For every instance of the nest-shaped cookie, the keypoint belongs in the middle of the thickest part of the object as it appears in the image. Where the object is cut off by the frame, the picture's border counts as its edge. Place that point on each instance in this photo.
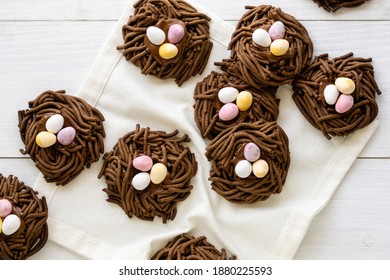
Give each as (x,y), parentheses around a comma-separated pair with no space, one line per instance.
(193,55)
(256,65)
(187,247)
(226,150)
(309,94)
(58,163)
(157,199)
(32,212)
(207,104)
(334,5)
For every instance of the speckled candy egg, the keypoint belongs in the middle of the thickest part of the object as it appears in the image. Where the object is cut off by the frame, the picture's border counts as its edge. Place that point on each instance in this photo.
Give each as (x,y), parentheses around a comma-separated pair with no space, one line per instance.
(45,139)
(261,37)
(141,181)
(54,123)
(344,103)
(244,100)
(260,168)
(158,173)
(227,94)
(277,30)
(11,224)
(155,35)
(345,85)
(331,93)
(228,112)
(168,51)
(175,33)
(251,152)
(243,168)
(279,47)
(143,163)
(5,207)
(66,135)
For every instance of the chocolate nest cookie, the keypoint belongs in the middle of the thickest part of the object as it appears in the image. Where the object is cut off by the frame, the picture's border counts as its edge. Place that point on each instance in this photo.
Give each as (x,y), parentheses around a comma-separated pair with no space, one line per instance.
(249,162)
(337,96)
(62,134)
(223,101)
(148,173)
(167,39)
(334,5)
(268,47)
(187,247)
(23,215)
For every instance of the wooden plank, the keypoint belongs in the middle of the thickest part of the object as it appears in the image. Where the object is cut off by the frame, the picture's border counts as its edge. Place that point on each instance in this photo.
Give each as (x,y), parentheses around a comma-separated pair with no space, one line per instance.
(111,10)
(355,224)
(36,56)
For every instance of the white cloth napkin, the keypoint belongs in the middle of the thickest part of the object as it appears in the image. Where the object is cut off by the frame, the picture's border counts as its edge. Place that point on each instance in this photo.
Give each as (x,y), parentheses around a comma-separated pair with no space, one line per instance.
(83,222)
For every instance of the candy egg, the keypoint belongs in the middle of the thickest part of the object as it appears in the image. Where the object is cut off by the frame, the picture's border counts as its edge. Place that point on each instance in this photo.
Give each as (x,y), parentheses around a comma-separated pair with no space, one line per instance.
(331,93)
(141,181)
(228,112)
(279,47)
(66,135)
(158,173)
(155,35)
(251,152)
(11,224)
(143,163)
(45,139)
(1,224)
(260,168)
(168,51)
(345,85)
(227,94)
(175,33)
(5,207)
(277,30)
(261,38)
(243,168)
(344,103)
(54,123)
(244,100)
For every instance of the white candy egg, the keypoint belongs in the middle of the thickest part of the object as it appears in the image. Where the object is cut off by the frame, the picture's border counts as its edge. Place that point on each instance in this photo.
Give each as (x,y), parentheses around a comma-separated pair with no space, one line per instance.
(55,123)
(155,35)
(331,93)
(243,168)
(227,94)
(261,38)
(11,224)
(141,181)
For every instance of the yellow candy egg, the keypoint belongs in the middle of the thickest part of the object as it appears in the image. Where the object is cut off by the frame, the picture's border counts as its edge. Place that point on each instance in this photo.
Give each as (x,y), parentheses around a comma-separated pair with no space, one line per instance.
(244,100)
(345,85)
(158,173)
(260,168)
(45,139)
(279,47)
(168,51)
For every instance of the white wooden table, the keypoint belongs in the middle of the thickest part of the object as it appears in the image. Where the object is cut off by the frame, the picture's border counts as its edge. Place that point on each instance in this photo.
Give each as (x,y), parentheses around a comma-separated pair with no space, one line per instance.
(51,44)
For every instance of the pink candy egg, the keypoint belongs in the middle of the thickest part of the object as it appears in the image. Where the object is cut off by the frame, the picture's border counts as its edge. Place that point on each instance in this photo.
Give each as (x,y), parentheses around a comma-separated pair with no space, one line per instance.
(344,103)
(228,112)
(5,207)
(251,152)
(143,163)
(277,30)
(66,135)
(175,33)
